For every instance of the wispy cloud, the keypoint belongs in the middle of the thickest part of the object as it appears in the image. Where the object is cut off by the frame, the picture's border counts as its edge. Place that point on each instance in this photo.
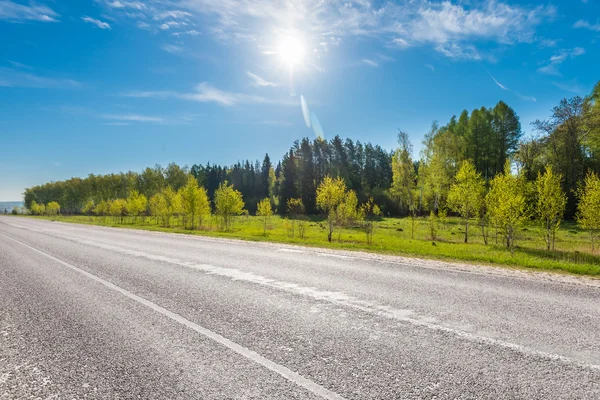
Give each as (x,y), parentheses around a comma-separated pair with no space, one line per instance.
(205,93)
(171,48)
(370,63)
(133,118)
(97,22)
(550,67)
(16,78)
(431,67)
(19,65)
(453,29)
(15,12)
(519,95)
(569,87)
(257,81)
(457,51)
(582,24)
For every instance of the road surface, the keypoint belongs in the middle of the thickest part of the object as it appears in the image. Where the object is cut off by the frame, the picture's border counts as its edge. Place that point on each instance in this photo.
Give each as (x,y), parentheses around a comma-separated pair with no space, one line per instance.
(92,312)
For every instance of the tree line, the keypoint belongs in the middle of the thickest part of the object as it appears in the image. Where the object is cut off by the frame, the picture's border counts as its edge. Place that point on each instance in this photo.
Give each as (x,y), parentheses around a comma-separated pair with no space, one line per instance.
(477,165)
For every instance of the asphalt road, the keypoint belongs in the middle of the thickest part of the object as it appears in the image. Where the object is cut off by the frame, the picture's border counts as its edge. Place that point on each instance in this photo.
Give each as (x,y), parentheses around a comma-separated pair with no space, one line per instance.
(91,312)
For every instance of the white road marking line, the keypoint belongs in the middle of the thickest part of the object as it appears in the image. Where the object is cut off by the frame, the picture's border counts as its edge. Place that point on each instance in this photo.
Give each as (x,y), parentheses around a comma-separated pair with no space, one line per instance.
(339,298)
(335,256)
(290,251)
(288,374)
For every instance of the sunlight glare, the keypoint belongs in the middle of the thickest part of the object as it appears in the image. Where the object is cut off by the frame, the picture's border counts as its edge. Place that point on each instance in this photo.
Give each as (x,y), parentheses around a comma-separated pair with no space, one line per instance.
(290,50)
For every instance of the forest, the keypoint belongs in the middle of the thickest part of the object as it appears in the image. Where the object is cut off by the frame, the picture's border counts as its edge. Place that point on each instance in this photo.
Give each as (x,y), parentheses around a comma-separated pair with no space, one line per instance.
(478,166)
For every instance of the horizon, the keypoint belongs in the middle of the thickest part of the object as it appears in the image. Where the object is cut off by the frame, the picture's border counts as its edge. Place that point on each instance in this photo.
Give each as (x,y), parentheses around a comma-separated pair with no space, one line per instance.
(110,86)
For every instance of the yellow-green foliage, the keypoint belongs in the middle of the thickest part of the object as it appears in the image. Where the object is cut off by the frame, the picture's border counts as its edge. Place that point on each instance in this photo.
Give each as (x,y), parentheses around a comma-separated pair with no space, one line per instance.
(588,213)
(136,204)
(228,202)
(466,194)
(53,208)
(194,201)
(507,204)
(330,195)
(550,205)
(264,211)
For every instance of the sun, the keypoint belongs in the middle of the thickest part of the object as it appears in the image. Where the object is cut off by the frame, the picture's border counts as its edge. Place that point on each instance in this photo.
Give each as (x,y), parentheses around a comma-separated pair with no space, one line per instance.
(290,50)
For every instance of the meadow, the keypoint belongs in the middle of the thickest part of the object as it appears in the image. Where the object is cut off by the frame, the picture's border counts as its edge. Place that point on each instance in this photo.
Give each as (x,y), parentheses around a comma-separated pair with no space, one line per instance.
(393,236)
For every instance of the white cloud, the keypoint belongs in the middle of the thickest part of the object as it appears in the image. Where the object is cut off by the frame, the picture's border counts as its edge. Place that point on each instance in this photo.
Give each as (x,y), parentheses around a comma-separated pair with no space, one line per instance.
(257,81)
(171,48)
(458,51)
(519,95)
(370,63)
(205,93)
(19,13)
(191,32)
(582,24)
(569,87)
(98,23)
(455,30)
(550,67)
(431,67)
(14,78)
(133,118)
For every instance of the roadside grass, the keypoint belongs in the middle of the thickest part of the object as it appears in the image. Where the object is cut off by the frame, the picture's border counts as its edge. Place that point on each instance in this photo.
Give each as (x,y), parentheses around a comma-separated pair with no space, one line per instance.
(393,236)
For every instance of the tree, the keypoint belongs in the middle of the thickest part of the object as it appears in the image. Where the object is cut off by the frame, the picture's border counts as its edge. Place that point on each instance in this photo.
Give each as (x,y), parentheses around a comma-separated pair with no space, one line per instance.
(330,195)
(507,132)
(53,208)
(507,204)
(466,194)
(101,209)
(159,208)
(194,201)
(403,175)
(348,213)
(264,211)
(588,210)
(173,200)
(228,202)
(41,209)
(118,209)
(550,205)
(136,204)
(565,145)
(368,212)
(88,207)
(295,208)
(34,208)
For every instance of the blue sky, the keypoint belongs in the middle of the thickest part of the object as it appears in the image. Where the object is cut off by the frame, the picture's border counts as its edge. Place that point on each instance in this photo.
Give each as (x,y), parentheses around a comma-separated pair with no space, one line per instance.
(104,86)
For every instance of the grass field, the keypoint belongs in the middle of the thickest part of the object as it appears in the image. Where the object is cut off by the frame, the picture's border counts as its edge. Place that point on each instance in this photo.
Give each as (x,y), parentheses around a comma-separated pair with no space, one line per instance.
(393,236)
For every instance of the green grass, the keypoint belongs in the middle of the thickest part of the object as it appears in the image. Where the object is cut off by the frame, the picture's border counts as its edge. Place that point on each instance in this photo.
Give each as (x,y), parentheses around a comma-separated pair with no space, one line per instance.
(393,236)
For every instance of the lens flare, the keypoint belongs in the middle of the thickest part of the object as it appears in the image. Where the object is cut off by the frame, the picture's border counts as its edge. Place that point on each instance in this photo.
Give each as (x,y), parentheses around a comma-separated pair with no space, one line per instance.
(305,111)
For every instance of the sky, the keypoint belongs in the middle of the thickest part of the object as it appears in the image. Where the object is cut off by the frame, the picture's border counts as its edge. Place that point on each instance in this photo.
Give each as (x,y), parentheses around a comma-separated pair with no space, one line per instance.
(101,86)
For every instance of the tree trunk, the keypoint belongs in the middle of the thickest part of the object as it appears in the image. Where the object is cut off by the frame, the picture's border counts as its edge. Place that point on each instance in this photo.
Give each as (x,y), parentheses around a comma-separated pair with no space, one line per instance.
(467,230)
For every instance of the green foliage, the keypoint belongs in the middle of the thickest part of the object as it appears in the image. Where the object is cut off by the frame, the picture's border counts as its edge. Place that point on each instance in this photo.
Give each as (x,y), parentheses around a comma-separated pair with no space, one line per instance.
(368,212)
(297,211)
(588,213)
(88,207)
(228,202)
(466,194)
(117,209)
(159,208)
(136,204)
(265,211)
(550,205)
(330,196)
(194,202)
(507,204)
(53,208)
